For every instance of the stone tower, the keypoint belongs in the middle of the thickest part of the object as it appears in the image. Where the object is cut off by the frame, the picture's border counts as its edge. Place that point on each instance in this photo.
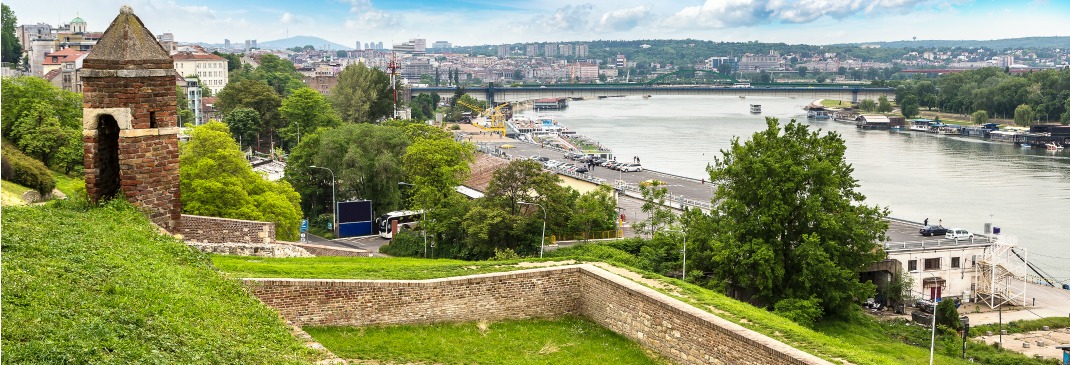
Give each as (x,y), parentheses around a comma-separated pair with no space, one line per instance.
(129,121)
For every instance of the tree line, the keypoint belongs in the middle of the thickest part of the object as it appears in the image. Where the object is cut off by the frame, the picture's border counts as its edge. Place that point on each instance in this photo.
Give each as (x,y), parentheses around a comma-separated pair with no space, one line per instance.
(1042,96)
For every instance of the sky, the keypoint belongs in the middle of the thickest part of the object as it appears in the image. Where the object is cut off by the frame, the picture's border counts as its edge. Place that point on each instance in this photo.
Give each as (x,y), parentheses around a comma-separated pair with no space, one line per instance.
(479,22)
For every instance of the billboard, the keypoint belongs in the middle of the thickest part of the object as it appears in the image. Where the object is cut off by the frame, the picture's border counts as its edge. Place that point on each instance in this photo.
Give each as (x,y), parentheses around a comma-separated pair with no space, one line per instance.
(355,218)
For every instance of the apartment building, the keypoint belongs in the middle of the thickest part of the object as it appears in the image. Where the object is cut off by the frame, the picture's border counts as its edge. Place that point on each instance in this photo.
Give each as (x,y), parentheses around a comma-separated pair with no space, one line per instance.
(209,68)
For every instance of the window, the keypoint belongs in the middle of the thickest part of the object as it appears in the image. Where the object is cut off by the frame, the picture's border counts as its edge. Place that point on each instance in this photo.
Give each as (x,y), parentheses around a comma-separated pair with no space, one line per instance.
(912,265)
(932,264)
(955,263)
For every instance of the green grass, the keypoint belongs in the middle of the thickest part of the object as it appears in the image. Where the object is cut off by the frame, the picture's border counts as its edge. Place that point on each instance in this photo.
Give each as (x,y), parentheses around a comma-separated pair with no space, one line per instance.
(831,103)
(12,193)
(69,185)
(1021,326)
(101,285)
(534,341)
(371,268)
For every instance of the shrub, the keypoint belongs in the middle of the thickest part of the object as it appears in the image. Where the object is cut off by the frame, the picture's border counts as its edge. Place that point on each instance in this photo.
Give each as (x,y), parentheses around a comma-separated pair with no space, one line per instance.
(26,171)
(947,316)
(406,243)
(802,311)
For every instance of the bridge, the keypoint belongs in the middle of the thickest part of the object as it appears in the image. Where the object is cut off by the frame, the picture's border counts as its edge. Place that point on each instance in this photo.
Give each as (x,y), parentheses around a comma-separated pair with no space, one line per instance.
(500,94)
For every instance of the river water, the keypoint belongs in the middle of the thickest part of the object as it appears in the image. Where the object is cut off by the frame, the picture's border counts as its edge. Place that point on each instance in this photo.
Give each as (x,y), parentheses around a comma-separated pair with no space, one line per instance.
(962,182)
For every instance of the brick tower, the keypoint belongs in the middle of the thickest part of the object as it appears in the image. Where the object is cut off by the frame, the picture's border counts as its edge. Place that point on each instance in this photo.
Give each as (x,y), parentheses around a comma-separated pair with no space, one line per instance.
(129,121)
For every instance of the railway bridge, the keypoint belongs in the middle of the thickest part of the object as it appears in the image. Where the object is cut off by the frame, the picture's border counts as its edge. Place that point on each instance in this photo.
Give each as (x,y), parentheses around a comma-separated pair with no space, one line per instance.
(498,94)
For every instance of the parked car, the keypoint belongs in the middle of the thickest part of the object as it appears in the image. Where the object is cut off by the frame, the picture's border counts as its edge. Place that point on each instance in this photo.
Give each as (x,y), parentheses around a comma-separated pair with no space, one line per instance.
(582,170)
(598,160)
(552,163)
(632,167)
(958,234)
(932,231)
(606,163)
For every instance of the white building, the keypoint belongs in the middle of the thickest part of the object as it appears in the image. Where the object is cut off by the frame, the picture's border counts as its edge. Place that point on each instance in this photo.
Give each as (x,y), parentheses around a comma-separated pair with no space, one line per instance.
(940,268)
(209,68)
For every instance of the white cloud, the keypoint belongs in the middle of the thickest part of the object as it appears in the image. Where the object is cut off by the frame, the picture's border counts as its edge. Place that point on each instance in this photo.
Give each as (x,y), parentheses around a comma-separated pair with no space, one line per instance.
(624,19)
(287,18)
(567,18)
(367,17)
(736,13)
(721,14)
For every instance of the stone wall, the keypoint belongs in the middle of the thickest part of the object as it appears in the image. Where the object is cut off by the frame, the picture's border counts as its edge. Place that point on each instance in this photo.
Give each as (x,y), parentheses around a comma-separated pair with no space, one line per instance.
(321,250)
(676,330)
(200,229)
(251,249)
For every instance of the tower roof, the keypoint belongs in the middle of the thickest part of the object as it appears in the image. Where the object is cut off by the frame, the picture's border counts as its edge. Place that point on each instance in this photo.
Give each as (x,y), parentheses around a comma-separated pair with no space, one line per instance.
(127,43)
(77,19)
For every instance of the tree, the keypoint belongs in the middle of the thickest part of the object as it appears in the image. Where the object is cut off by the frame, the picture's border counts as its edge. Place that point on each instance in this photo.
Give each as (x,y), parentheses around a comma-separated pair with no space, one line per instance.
(790,224)
(278,73)
(233,60)
(820,77)
(1024,115)
(244,123)
(362,95)
(909,106)
(842,71)
(595,210)
(947,316)
(802,70)
(10,49)
(867,105)
(436,164)
(255,95)
(217,181)
(980,117)
(43,120)
(304,111)
(883,105)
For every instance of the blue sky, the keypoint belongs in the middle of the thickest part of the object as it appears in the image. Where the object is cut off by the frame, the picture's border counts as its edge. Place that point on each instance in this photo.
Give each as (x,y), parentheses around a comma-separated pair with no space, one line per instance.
(475,22)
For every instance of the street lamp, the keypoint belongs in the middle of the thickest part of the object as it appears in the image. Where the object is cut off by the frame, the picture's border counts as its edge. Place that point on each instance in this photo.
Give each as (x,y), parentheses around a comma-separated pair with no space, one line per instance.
(542,243)
(683,275)
(932,342)
(334,202)
(423,218)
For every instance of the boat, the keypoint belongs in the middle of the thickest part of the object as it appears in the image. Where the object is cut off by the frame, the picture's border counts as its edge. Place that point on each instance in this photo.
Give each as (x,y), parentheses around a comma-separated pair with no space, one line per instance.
(817,113)
(756,109)
(1026,145)
(1052,146)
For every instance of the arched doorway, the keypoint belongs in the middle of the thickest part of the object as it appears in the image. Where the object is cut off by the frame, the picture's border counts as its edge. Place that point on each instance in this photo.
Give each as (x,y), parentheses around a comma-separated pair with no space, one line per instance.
(107,157)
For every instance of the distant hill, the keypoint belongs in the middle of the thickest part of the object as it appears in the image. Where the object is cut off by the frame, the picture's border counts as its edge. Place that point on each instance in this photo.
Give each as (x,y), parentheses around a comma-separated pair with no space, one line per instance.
(301,41)
(1027,42)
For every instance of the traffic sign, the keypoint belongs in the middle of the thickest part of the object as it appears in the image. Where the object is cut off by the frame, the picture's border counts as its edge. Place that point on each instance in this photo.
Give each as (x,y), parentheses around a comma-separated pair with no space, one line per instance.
(304,225)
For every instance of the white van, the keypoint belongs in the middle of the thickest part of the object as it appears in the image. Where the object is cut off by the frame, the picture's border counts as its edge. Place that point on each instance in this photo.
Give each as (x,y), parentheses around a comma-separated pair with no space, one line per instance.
(957,234)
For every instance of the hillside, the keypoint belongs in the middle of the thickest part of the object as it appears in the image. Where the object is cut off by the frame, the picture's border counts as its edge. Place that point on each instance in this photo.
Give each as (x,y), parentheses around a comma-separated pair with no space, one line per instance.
(1009,43)
(301,41)
(102,285)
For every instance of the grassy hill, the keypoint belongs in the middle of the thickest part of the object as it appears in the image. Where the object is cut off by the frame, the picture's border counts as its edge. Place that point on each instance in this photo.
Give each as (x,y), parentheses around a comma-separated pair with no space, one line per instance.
(103,285)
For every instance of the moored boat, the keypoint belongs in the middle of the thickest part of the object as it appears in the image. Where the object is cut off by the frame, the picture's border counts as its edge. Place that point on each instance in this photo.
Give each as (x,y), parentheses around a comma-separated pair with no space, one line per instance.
(756,109)
(1051,146)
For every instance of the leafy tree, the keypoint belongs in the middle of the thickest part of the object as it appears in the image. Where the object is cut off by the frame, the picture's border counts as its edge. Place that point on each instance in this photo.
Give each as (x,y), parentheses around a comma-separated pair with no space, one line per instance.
(256,95)
(1024,115)
(423,106)
(233,61)
(217,181)
(10,49)
(362,95)
(341,54)
(595,210)
(436,165)
(980,117)
(790,224)
(43,120)
(802,70)
(947,316)
(280,74)
(304,111)
(820,77)
(883,105)
(909,106)
(857,74)
(365,158)
(842,71)
(867,105)
(655,194)
(244,123)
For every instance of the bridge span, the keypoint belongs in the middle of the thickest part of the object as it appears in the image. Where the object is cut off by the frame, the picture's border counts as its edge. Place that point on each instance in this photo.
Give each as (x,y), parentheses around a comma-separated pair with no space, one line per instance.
(522,93)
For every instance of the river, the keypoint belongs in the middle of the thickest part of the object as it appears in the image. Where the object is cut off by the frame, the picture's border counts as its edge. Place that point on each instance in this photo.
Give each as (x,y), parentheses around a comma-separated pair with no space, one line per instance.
(961,182)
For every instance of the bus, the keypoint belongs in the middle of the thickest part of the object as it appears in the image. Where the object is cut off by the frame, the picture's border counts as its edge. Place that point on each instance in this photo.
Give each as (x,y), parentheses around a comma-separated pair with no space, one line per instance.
(402,219)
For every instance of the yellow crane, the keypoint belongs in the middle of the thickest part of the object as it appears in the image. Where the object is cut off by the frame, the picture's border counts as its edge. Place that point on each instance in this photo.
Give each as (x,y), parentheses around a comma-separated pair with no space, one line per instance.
(497,119)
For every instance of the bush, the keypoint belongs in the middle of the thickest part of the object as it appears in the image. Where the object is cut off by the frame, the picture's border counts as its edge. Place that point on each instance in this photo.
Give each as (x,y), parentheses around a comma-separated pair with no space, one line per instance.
(26,171)
(947,316)
(406,243)
(802,311)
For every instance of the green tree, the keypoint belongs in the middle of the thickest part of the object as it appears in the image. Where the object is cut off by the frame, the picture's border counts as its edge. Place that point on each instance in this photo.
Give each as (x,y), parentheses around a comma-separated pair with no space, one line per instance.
(867,105)
(362,95)
(436,165)
(10,49)
(659,216)
(244,123)
(233,60)
(256,95)
(1024,115)
(947,316)
(280,74)
(217,181)
(883,105)
(790,223)
(980,117)
(595,210)
(802,70)
(304,111)
(43,120)
(365,158)
(909,106)
(820,77)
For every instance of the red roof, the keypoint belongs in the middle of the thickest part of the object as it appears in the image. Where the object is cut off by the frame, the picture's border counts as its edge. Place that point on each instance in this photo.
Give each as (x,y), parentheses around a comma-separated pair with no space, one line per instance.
(549,100)
(63,55)
(51,75)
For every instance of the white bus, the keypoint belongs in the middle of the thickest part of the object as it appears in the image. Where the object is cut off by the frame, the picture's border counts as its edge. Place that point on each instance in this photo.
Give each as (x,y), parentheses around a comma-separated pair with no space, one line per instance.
(399,220)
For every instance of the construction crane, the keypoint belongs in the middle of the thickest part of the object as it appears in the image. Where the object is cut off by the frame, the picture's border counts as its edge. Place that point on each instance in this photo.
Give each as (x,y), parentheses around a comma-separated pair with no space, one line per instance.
(497,118)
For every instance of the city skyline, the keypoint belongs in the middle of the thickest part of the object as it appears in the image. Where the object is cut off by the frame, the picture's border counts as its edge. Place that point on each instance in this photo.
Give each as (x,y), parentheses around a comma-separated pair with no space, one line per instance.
(466,22)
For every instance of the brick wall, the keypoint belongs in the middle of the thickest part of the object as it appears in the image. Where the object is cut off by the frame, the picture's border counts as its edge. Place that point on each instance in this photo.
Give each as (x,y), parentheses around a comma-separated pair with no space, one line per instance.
(202,229)
(676,330)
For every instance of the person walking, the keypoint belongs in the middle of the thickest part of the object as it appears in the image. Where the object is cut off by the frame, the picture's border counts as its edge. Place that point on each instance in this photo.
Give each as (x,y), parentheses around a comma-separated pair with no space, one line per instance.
(926,222)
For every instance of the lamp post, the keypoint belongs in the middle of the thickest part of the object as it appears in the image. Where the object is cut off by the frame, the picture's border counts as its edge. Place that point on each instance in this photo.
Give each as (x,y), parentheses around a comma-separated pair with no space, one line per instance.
(932,342)
(423,218)
(542,243)
(334,202)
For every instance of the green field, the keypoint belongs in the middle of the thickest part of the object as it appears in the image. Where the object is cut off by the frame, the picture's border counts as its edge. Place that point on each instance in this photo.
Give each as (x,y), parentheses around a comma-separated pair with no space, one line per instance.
(102,286)
(370,268)
(560,341)
(12,193)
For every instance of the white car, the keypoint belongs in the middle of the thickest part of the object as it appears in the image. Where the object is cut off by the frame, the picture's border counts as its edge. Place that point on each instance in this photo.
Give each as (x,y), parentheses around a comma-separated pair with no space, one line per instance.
(957,234)
(632,167)
(552,163)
